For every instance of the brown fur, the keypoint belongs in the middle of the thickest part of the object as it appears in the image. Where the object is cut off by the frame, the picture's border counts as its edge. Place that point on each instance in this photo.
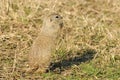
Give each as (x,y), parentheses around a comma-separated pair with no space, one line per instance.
(44,45)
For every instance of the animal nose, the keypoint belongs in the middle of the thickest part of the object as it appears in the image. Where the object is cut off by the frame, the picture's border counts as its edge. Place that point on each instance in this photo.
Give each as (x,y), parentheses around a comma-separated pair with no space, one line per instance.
(61,17)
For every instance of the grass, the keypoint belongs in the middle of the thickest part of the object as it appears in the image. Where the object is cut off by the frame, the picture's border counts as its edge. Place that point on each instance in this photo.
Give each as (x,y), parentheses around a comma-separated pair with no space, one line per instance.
(90,49)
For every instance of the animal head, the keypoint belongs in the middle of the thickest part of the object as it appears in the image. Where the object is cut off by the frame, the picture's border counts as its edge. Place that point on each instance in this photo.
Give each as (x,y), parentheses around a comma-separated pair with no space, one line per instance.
(52,24)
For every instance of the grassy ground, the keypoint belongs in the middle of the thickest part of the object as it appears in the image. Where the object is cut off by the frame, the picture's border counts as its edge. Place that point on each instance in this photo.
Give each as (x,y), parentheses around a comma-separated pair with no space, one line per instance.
(90,49)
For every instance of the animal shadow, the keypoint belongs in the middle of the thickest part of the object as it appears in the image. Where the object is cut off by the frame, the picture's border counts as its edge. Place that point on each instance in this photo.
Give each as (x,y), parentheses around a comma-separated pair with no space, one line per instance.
(60,66)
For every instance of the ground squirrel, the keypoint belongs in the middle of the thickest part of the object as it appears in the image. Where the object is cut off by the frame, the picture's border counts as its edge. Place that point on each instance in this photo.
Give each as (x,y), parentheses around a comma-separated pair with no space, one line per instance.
(44,45)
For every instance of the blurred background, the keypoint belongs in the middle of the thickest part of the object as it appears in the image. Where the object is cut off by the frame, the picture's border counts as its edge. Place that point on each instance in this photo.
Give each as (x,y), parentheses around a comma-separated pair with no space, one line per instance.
(90,27)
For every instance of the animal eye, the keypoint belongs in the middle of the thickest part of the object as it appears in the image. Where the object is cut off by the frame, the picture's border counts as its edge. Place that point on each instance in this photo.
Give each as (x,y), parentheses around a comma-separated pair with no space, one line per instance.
(57,17)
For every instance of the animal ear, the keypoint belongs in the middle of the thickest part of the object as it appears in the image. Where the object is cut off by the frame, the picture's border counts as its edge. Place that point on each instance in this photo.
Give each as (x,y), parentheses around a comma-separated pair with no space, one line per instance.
(50,20)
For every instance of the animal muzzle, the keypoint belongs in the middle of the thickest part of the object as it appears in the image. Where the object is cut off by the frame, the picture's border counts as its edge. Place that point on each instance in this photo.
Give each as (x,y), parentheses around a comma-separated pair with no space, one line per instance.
(61,25)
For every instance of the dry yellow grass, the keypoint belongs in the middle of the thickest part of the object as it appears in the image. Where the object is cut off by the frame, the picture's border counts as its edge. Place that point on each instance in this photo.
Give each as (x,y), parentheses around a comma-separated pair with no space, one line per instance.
(91,26)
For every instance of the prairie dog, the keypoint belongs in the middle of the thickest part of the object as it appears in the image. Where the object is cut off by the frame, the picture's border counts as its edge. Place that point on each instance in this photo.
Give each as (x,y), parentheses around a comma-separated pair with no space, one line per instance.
(44,45)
